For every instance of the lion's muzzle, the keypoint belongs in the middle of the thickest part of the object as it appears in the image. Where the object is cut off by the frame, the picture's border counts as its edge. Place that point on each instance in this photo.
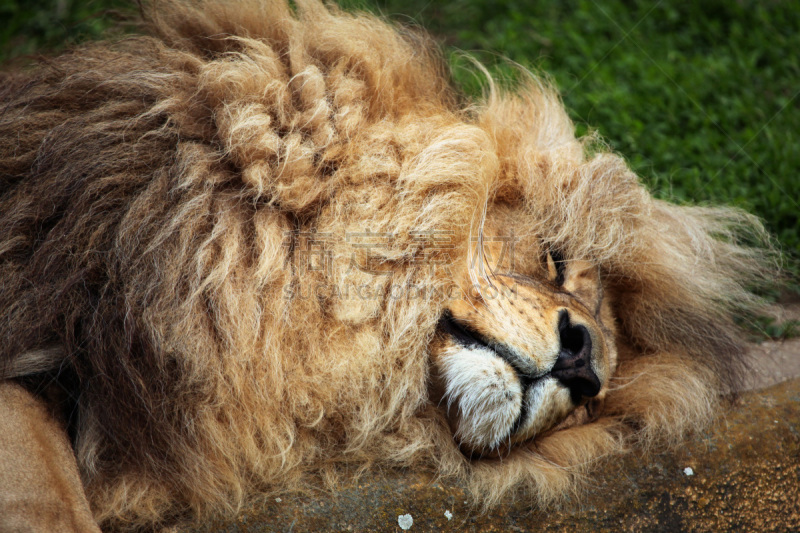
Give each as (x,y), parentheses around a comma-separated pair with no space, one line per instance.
(513,367)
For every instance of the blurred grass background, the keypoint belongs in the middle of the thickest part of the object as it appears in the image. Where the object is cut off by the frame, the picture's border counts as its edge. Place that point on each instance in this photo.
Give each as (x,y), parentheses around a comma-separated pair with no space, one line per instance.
(700,97)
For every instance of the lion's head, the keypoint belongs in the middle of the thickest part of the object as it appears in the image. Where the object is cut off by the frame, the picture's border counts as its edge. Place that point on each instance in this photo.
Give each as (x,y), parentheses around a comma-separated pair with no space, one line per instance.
(264,245)
(520,350)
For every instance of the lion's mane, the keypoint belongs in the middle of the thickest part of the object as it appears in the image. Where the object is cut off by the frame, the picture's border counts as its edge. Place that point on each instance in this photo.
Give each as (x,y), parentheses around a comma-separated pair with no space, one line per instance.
(147,188)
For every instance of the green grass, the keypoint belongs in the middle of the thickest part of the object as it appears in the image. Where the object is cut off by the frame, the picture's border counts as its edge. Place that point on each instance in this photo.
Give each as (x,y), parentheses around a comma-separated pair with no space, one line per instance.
(44,26)
(700,97)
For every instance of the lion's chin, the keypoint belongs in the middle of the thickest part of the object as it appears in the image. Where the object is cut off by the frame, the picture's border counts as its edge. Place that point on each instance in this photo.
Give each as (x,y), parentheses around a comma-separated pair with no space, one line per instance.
(577,417)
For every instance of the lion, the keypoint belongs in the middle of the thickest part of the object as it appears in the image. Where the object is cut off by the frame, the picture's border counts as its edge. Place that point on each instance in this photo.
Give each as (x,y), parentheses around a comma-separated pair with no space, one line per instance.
(267,247)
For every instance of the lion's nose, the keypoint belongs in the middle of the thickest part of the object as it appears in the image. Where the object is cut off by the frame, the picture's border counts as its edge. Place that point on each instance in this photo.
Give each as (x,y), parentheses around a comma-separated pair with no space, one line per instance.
(573,368)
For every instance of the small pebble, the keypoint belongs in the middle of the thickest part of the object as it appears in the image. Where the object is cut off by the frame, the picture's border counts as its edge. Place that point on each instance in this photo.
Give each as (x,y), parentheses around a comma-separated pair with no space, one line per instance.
(688,471)
(405,521)
(448,515)
(278,500)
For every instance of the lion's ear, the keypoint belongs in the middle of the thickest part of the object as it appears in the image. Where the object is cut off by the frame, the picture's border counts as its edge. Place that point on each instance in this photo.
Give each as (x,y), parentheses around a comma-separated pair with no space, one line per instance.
(582,279)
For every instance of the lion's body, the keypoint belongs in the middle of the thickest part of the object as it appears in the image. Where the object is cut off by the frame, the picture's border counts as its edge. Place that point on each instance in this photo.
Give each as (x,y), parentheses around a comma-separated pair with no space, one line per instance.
(163,201)
(41,485)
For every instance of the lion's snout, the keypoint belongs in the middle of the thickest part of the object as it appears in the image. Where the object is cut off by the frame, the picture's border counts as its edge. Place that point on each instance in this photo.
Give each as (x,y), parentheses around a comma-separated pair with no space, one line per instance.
(515,366)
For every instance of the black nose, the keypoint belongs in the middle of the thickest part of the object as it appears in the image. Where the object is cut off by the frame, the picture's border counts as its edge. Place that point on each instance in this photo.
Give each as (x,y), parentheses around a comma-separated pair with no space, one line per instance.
(573,367)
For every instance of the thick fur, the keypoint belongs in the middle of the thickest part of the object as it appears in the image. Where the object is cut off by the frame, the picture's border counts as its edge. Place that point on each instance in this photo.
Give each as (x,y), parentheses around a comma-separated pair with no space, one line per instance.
(147,188)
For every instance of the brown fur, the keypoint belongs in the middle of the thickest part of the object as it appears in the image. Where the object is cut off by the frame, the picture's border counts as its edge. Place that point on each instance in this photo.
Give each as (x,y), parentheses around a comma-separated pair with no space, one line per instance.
(146,191)
(41,486)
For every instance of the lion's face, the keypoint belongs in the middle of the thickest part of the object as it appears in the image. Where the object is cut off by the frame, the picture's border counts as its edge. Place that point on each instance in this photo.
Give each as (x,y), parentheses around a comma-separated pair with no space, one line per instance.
(519,355)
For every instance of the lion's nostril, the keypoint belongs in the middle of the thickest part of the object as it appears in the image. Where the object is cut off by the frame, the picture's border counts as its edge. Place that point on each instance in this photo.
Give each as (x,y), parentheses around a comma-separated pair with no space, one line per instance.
(574,339)
(572,368)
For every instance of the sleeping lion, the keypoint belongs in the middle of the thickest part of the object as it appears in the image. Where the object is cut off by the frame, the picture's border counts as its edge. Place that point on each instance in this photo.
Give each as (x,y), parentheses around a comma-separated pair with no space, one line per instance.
(268,247)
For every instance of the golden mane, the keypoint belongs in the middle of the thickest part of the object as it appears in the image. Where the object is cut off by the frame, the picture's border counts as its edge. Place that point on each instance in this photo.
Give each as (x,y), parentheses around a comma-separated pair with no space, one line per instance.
(158,200)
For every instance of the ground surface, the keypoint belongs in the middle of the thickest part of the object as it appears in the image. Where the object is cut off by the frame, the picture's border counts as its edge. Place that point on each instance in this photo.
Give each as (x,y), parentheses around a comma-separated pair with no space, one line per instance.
(745,476)
(774,361)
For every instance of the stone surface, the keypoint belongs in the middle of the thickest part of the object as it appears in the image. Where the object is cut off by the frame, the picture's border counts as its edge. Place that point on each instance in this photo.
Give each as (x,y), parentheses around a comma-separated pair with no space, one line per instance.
(775,361)
(745,476)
